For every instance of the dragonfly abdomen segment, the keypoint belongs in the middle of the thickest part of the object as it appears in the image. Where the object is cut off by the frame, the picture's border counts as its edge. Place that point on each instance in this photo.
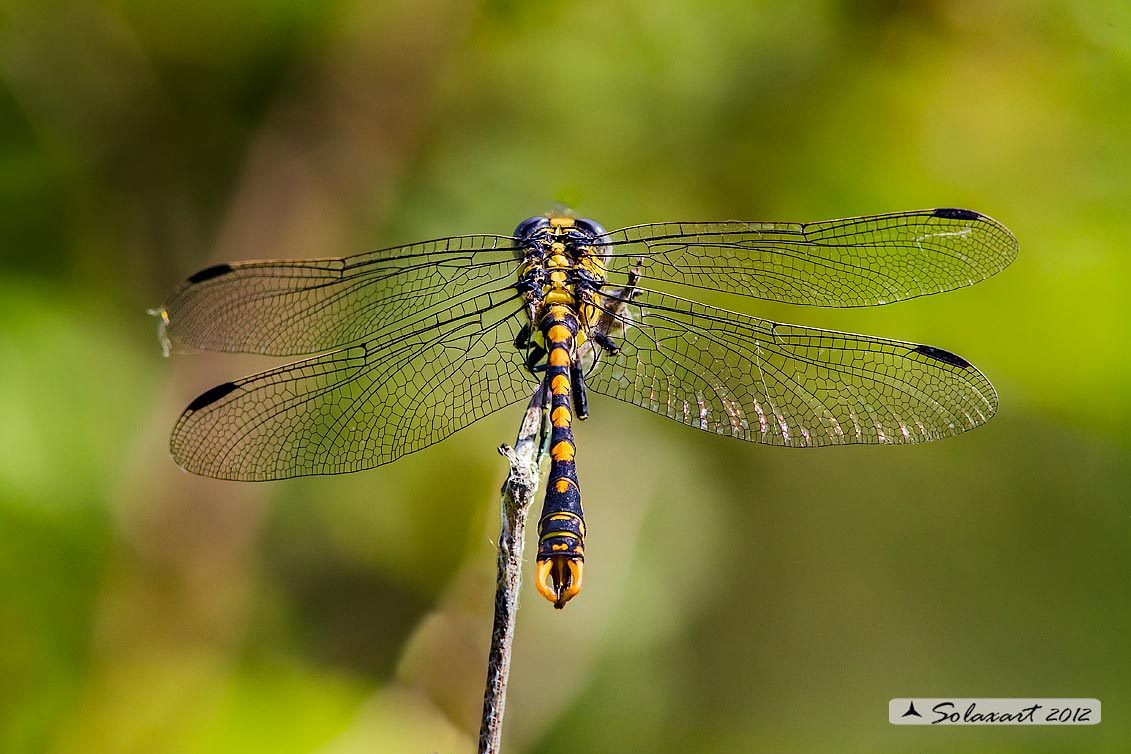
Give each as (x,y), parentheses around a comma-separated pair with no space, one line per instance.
(561,529)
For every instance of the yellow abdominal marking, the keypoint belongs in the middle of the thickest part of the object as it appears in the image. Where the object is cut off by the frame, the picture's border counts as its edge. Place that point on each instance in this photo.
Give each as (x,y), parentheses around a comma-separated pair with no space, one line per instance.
(560,417)
(563,451)
(566,516)
(559,334)
(559,385)
(559,357)
(562,547)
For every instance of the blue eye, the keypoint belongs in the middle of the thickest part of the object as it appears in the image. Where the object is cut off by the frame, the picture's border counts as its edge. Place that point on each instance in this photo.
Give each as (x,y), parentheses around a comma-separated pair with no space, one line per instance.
(591,226)
(527,227)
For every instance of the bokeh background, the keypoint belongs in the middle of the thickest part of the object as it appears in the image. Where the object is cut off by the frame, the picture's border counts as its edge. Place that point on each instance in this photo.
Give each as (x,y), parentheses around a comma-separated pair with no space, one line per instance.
(739,598)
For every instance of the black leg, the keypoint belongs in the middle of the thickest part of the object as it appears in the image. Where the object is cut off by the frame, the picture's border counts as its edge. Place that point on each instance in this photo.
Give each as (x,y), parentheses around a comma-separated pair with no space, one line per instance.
(522,340)
(536,354)
(605,342)
(580,400)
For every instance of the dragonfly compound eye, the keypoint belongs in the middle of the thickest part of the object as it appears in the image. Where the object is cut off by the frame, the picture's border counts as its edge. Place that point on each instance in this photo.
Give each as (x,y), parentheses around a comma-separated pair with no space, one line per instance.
(591,226)
(529,226)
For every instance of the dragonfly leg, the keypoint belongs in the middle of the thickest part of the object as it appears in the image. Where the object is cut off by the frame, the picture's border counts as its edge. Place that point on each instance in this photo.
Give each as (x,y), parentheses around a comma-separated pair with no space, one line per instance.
(616,319)
(543,398)
(536,354)
(605,342)
(522,340)
(577,385)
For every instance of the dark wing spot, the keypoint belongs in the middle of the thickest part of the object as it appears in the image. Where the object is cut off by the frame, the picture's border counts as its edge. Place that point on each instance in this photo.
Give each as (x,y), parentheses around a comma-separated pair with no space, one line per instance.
(208,273)
(946,357)
(950,213)
(208,397)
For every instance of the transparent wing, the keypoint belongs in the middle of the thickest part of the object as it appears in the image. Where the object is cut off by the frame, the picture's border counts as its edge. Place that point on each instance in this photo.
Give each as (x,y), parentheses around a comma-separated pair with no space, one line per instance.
(784,384)
(362,406)
(861,261)
(285,308)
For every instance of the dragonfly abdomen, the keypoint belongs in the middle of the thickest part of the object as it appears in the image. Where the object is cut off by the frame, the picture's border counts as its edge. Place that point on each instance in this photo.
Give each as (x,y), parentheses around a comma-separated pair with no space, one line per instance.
(561,529)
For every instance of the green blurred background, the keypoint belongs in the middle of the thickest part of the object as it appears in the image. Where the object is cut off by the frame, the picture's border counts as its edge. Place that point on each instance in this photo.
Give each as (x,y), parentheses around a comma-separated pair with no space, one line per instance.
(739,598)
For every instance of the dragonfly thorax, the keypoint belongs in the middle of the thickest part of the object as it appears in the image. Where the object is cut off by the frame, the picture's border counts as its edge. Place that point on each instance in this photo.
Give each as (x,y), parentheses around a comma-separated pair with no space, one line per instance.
(563,264)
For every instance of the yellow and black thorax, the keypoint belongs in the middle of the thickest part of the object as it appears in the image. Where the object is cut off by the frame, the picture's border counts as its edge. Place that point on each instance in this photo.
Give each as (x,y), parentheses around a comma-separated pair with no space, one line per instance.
(563,264)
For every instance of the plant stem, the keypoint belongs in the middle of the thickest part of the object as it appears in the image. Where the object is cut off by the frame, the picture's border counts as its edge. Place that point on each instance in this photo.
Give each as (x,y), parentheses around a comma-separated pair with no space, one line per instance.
(517,495)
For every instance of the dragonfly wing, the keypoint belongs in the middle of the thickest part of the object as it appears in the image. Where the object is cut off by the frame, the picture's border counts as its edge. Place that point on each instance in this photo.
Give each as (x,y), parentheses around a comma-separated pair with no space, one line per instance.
(781,384)
(361,406)
(861,261)
(285,308)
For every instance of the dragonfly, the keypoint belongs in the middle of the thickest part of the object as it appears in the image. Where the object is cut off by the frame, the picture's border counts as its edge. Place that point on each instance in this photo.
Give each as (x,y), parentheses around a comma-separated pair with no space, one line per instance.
(409,344)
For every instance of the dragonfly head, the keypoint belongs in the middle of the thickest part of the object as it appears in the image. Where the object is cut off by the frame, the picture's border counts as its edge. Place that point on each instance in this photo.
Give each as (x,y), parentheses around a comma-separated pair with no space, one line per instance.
(559,578)
(583,229)
(537,233)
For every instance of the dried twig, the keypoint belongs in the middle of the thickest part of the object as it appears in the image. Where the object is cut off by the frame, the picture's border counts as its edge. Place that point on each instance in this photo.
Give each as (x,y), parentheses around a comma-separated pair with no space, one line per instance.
(517,494)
